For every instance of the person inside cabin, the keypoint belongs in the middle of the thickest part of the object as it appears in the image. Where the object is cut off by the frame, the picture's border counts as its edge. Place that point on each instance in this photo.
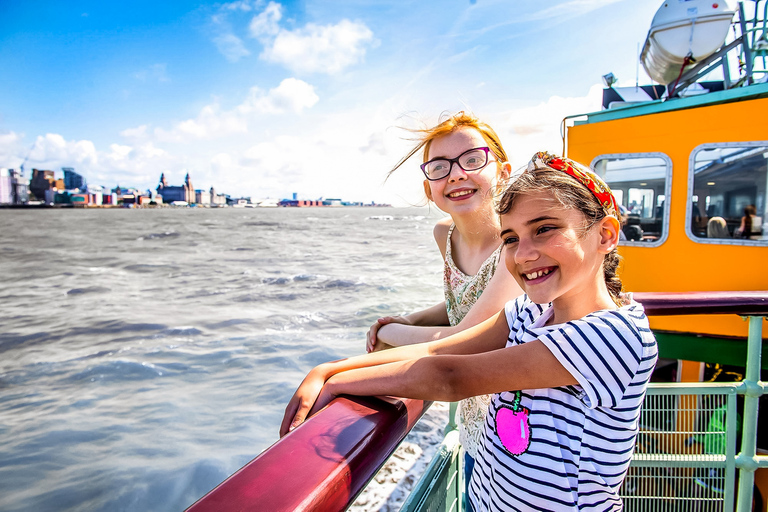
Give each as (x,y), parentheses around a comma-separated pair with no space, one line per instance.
(717,228)
(632,229)
(463,163)
(698,221)
(751,224)
(568,362)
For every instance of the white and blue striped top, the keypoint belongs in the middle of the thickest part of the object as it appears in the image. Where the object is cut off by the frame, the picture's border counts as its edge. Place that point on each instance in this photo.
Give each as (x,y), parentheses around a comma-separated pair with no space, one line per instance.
(567,448)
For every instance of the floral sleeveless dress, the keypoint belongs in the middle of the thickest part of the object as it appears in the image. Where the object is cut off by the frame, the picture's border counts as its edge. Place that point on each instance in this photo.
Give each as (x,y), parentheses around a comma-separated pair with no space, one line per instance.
(461,293)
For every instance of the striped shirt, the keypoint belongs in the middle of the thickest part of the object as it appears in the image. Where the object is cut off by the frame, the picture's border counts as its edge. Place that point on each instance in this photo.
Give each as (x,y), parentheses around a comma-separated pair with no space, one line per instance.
(567,448)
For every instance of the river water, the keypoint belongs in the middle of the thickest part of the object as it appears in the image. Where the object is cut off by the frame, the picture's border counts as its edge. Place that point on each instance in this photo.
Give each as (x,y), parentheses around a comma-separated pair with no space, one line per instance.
(145,355)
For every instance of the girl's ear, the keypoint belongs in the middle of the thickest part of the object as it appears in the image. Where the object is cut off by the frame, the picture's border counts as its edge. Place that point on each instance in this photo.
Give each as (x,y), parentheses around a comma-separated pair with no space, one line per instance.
(609,233)
(428,190)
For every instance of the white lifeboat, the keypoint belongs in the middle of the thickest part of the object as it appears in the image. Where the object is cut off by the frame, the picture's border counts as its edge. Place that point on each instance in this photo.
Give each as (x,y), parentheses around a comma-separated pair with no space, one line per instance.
(681,28)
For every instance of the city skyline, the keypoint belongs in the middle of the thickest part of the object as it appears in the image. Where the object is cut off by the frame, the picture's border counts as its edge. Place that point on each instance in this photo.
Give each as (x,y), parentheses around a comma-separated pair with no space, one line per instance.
(283,97)
(43,187)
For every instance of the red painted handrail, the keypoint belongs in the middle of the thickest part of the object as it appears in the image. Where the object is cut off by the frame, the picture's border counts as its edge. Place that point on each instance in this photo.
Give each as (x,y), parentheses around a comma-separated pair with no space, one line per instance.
(703,303)
(324,463)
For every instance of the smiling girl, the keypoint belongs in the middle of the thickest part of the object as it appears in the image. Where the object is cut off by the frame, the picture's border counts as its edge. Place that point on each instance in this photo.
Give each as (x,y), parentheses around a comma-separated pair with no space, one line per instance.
(568,362)
(463,164)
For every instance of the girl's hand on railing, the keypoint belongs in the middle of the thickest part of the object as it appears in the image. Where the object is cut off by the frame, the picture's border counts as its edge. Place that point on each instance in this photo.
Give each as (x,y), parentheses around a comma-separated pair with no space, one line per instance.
(371,340)
(302,401)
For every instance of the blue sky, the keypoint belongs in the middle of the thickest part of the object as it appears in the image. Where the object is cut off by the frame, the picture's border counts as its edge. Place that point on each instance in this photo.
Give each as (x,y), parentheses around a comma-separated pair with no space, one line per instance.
(266,98)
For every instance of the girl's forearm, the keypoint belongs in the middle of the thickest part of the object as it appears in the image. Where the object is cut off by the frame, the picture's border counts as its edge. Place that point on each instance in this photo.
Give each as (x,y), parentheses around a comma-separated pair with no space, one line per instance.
(421,378)
(328,370)
(435,315)
(398,335)
(487,336)
(454,377)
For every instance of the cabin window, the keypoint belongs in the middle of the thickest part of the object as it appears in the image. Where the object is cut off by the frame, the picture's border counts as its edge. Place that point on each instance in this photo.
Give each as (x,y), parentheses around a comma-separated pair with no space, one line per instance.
(727,191)
(640,182)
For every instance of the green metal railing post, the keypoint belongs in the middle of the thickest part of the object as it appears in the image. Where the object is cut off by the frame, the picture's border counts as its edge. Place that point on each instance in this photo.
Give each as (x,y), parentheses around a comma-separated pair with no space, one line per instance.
(746,461)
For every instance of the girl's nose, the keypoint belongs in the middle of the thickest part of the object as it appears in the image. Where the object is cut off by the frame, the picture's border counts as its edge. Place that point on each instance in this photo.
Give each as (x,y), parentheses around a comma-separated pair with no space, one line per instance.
(525,251)
(457,173)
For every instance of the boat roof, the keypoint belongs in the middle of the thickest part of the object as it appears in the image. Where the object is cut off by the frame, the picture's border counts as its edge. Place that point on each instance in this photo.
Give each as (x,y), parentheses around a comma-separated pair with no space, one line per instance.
(629,110)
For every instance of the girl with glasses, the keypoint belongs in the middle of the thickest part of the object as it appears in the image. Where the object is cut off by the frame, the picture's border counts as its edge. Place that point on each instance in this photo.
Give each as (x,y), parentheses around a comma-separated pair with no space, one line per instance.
(463,164)
(568,362)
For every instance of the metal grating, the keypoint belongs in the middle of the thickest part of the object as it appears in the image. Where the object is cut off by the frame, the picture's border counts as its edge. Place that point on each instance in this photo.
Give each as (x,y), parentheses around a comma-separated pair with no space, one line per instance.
(685,452)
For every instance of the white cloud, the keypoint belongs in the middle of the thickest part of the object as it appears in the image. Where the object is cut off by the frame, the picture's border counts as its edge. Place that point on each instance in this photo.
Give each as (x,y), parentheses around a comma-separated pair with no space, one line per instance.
(313,48)
(120,152)
(291,96)
(265,24)
(231,47)
(54,148)
(11,149)
(237,6)
(124,164)
(137,133)
(320,49)
(537,128)
(9,138)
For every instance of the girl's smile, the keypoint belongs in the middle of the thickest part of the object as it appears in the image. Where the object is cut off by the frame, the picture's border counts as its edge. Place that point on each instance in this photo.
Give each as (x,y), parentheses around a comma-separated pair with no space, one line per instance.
(461,194)
(538,275)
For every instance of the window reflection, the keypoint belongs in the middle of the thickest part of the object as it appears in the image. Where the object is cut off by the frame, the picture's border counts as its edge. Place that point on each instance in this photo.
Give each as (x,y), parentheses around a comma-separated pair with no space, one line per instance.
(640,184)
(728,192)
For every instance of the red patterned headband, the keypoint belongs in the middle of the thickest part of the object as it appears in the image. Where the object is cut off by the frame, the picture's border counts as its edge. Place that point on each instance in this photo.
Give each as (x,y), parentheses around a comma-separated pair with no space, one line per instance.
(586,177)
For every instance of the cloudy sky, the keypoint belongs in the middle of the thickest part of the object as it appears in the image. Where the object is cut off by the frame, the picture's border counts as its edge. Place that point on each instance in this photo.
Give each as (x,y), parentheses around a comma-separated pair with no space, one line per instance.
(266,98)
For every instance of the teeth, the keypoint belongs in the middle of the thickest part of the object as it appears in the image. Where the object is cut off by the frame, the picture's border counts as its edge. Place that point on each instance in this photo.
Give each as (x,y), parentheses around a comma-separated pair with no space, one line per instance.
(460,193)
(537,274)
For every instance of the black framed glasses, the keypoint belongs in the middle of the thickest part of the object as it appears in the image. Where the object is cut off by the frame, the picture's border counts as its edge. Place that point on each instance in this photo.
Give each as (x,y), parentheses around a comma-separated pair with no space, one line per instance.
(470,160)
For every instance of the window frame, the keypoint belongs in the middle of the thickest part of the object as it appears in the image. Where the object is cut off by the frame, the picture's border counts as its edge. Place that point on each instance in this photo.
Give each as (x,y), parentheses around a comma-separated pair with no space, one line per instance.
(689,202)
(667,193)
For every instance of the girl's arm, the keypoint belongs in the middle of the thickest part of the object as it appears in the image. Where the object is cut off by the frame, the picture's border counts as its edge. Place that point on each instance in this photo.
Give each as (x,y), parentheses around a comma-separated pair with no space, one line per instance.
(501,289)
(453,377)
(436,315)
(487,336)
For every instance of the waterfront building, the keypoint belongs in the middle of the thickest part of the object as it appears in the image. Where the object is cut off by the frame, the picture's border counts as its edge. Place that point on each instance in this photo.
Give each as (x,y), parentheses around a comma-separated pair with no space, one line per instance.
(238,201)
(170,194)
(13,188)
(203,197)
(43,184)
(19,187)
(301,202)
(96,192)
(73,180)
(218,199)
(62,197)
(6,190)
(80,199)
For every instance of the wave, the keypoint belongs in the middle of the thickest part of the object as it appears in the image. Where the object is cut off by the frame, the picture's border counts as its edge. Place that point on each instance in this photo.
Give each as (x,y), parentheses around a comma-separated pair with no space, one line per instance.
(144,268)
(157,236)
(90,289)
